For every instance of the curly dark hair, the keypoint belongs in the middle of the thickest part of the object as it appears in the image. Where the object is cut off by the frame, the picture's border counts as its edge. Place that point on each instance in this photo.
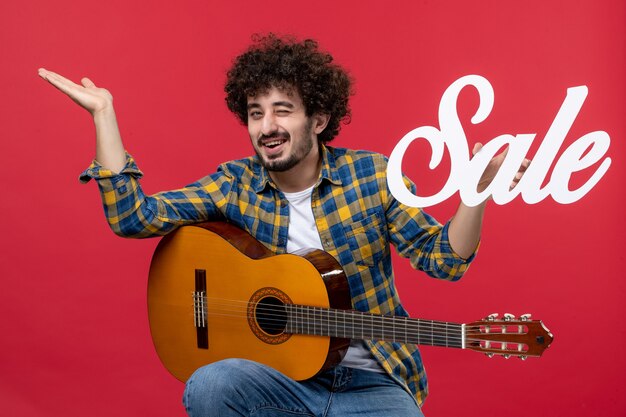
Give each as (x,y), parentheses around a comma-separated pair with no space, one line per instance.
(285,63)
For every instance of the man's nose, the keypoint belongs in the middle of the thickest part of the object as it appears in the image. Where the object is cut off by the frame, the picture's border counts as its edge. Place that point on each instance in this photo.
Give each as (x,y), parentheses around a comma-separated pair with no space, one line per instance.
(269,126)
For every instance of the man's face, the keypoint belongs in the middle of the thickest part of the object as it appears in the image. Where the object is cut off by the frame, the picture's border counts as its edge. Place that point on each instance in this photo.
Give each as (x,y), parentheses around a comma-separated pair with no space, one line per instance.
(281,133)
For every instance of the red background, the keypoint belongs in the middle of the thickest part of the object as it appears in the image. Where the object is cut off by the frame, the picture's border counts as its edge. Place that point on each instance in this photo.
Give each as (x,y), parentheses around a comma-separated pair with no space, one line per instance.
(73,322)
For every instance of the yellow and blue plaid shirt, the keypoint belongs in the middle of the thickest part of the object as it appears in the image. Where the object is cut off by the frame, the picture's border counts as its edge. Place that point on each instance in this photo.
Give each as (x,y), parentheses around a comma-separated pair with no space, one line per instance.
(357,218)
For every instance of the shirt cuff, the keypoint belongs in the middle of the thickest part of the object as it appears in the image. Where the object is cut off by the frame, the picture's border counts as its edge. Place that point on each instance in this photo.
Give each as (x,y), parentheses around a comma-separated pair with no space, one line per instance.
(96,171)
(446,248)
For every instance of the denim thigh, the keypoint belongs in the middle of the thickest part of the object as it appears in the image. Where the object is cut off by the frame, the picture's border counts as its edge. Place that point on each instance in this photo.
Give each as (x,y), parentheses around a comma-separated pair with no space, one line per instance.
(238,387)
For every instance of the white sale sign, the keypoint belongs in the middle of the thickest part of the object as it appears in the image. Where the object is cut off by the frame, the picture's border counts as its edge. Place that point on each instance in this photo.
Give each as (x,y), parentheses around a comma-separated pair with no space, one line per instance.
(465,172)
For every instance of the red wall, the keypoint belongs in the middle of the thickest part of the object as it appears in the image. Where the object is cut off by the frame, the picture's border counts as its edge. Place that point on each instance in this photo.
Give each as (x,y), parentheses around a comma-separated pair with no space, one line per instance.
(74,329)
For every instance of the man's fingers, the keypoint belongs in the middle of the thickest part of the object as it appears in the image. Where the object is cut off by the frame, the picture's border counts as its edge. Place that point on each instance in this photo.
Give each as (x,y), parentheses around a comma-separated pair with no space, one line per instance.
(58,83)
(477,147)
(73,90)
(62,83)
(49,75)
(87,83)
(520,173)
(523,167)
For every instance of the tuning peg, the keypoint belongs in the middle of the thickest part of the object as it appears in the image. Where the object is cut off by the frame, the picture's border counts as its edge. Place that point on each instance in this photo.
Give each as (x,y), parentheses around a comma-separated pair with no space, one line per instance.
(525,317)
(523,357)
(508,317)
(491,317)
(506,356)
(489,355)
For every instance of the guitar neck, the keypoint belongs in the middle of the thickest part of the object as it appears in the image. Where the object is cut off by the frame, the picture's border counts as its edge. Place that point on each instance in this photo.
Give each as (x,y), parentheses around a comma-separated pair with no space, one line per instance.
(352,324)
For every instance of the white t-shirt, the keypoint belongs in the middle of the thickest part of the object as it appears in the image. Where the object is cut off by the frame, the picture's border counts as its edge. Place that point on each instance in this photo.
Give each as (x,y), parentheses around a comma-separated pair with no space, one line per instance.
(303,234)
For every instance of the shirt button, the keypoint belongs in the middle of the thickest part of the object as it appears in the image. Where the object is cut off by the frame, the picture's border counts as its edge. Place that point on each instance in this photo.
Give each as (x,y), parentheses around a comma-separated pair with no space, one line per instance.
(281,241)
(326,242)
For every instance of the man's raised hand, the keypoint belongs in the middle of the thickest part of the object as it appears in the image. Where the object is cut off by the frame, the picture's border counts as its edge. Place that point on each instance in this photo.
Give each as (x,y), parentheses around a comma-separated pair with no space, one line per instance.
(99,102)
(87,95)
(494,166)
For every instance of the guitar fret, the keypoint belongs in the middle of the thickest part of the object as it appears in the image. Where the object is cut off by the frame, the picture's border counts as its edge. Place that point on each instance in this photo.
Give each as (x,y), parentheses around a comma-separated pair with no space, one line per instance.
(419,332)
(367,326)
(353,326)
(327,321)
(406,336)
(290,319)
(432,336)
(362,316)
(328,318)
(306,313)
(320,321)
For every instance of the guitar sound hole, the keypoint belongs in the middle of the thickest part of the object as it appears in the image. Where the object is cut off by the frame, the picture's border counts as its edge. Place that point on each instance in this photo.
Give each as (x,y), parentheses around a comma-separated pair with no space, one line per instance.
(271,315)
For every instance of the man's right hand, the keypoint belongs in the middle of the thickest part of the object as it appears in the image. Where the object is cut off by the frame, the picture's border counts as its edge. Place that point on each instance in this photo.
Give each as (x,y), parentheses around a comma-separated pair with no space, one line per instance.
(87,95)
(99,102)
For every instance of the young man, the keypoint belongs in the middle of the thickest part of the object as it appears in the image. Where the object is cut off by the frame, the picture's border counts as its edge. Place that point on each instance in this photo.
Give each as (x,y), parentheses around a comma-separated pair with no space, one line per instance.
(296,192)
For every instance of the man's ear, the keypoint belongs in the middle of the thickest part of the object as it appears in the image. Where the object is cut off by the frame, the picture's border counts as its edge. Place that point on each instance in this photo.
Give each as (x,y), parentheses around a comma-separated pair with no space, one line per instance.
(320,121)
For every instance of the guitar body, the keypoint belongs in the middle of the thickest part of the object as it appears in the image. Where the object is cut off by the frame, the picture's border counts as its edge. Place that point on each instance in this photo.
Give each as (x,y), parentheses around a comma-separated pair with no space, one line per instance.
(214,293)
(229,272)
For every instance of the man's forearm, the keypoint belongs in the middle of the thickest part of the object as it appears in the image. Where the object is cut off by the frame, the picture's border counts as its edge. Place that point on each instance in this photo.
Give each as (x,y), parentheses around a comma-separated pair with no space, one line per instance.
(109,147)
(465,229)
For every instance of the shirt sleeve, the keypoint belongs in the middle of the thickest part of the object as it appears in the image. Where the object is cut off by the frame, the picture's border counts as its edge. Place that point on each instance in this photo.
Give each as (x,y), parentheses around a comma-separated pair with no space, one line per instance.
(422,239)
(131,213)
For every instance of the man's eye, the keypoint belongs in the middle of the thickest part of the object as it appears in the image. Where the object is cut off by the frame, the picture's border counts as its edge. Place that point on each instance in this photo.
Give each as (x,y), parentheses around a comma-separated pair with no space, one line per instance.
(254,114)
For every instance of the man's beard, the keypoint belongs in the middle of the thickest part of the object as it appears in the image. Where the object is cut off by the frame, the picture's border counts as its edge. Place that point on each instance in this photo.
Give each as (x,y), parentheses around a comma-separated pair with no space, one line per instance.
(296,155)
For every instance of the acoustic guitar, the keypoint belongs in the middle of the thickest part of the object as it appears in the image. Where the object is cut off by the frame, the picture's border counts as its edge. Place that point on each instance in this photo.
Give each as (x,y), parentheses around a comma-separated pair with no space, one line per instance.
(214,292)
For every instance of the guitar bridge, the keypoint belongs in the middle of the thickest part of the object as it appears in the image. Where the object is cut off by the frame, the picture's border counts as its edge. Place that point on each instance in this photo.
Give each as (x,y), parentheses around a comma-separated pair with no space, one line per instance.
(200,310)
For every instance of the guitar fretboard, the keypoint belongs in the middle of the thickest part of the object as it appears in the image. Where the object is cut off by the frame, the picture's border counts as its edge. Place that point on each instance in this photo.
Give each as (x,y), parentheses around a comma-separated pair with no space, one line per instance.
(367,326)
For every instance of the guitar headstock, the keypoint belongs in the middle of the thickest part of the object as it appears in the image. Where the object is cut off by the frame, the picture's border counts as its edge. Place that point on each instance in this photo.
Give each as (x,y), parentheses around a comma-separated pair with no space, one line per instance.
(509,336)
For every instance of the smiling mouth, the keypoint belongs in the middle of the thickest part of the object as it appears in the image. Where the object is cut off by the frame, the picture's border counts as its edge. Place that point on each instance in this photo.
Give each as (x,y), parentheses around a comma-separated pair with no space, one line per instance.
(274,140)
(274,143)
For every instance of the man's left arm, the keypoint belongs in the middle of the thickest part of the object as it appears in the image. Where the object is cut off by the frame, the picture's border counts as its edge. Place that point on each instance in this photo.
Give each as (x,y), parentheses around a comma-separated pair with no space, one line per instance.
(465,227)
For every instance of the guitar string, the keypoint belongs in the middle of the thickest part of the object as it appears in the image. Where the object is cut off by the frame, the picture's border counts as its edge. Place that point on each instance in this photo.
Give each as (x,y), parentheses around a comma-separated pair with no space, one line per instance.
(400,322)
(369,316)
(432,333)
(437,336)
(278,312)
(365,315)
(421,341)
(263,307)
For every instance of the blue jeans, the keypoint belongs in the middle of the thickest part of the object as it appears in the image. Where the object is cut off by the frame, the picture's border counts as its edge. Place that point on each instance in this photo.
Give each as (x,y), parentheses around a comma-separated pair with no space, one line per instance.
(237,387)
